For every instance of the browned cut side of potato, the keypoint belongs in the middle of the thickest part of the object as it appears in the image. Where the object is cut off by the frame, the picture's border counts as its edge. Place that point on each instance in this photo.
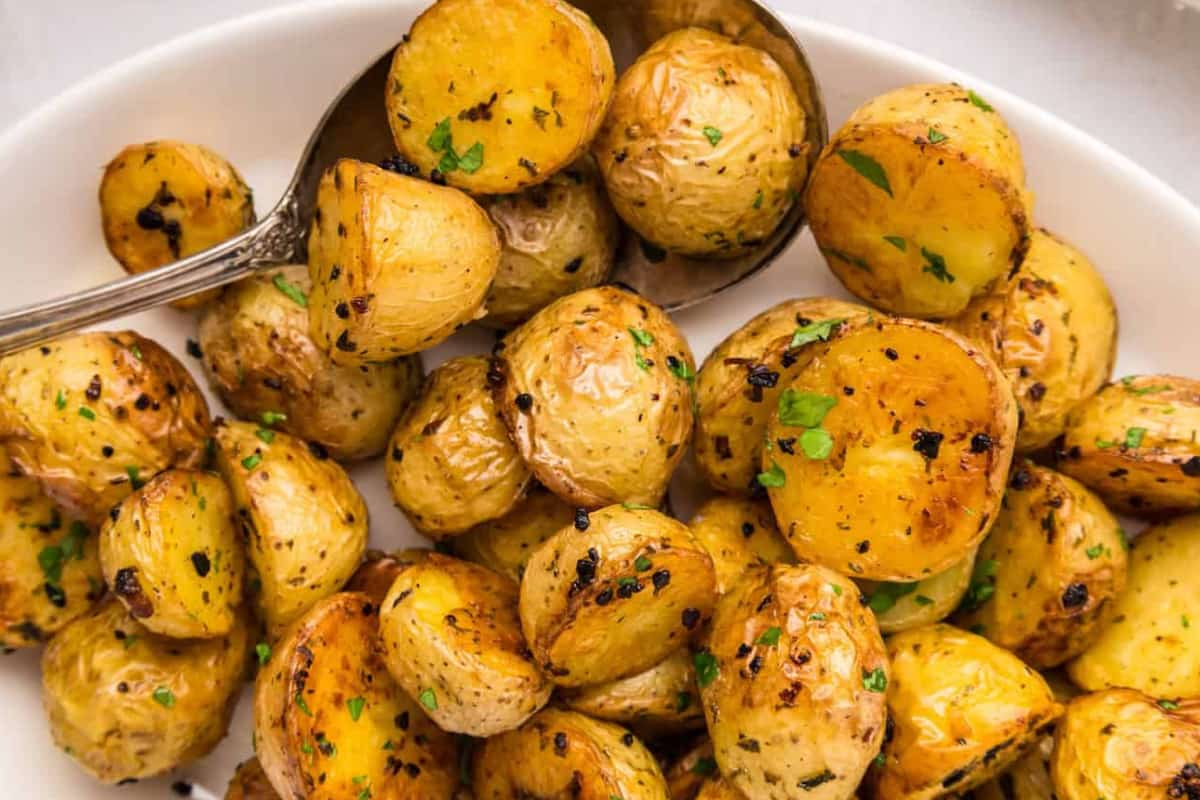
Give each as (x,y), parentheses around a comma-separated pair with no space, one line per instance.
(738,533)
(165,200)
(249,782)
(719,789)
(497,95)
(687,773)
(375,576)
(1027,779)
(918,202)
(903,605)
(331,723)
(505,544)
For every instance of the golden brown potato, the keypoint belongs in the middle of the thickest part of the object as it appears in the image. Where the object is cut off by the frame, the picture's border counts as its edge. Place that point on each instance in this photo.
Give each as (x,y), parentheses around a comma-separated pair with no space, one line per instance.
(397,264)
(793,684)
(615,599)
(963,710)
(1052,327)
(375,576)
(738,533)
(688,772)
(165,200)
(260,359)
(451,464)
(703,151)
(250,783)
(904,605)
(329,721)
(1153,642)
(170,553)
(1049,572)
(304,521)
(592,760)
(892,446)
(1135,445)
(505,544)
(918,202)
(719,789)
(127,703)
(1122,744)
(596,392)
(1027,779)
(497,95)
(662,700)
(739,384)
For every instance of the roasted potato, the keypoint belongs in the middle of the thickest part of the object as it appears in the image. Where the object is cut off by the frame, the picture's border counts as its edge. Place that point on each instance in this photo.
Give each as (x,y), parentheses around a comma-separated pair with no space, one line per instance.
(962,711)
(126,703)
(397,264)
(250,783)
(1153,642)
(1052,327)
(505,544)
(331,723)
(304,522)
(592,760)
(919,203)
(739,384)
(793,684)
(496,95)
(1027,779)
(170,553)
(738,533)
(687,773)
(1135,445)
(704,150)
(596,392)
(1122,744)
(94,415)
(891,448)
(165,200)
(260,359)
(901,606)
(451,464)
(1049,572)
(615,599)
(375,576)
(719,789)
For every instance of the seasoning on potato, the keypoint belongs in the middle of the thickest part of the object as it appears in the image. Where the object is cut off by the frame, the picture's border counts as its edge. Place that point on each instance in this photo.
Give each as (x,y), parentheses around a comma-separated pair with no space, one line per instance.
(379,570)
(506,543)
(903,605)
(738,533)
(249,782)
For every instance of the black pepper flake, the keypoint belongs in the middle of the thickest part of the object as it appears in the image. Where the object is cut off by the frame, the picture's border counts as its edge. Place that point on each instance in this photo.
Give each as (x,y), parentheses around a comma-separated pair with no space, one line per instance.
(201,564)
(862,546)
(344,344)
(1191,467)
(359,304)
(1036,391)
(56,595)
(182,788)
(954,777)
(743,650)
(582,521)
(927,443)
(107,451)
(174,232)
(528,165)
(891,354)
(573,265)
(401,720)
(1075,595)
(318,451)
(660,579)
(627,739)
(150,219)
(585,571)
(604,598)
(981,443)
(401,166)
(142,402)
(397,454)
(342,310)
(690,617)
(761,377)
(1021,480)
(524,401)
(755,665)
(721,446)
(787,445)
(629,588)
(747,529)
(1037,327)
(93,388)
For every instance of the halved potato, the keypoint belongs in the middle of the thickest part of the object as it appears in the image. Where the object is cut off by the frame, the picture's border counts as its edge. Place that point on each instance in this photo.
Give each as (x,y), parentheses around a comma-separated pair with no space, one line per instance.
(505,544)
(738,533)
(249,782)
(662,700)
(687,773)
(901,606)
(1027,779)
(375,576)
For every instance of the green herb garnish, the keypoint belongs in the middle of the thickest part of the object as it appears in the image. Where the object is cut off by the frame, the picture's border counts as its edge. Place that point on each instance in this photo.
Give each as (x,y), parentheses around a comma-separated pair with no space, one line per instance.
(87,413)
(897,242)
(814,332)
(936,136)
(936,266)
(875,680)
(707,668)
(713,135)
(1133,437)
(263,651)
(978,101)
(868,167)
(428,699)
(816,443)
(355,706)
(164,697)
(290,290)
(804,409)
(887,594)
(251,461)
(772,478)
(770,637)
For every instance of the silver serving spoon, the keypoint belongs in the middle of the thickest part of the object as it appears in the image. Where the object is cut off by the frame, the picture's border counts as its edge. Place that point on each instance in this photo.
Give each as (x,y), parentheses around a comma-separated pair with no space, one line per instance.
(355,126)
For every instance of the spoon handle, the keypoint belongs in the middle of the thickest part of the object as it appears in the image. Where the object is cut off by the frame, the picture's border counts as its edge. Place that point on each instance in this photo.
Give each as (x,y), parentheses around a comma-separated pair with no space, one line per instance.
(274,240)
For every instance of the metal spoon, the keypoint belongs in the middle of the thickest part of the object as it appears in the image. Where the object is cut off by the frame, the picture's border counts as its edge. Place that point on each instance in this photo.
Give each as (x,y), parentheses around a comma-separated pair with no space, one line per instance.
(355,126)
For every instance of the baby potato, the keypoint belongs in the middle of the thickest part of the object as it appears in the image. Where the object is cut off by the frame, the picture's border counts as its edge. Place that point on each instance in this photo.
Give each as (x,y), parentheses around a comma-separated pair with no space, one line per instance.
(1153,642)
(1052,328)
(165,200)
(911,604)
(126,703)
(592,760)
(497,95)
(962,711)
(304,522)
(738,533)
(596,393)
(740,381)
(793,684)
(704,150)
(615,599)
(397,263)
(688,773)
(1134,444)
(892,445)
(260,359)
(505,544)
(250,783)
(1122,744)
(171,555)
(662,700)
(375,576)
(331,724)
(452,465)
(1049,572)
(1027,779)
(558,237)
(919,203)
(718,789)
(94,415)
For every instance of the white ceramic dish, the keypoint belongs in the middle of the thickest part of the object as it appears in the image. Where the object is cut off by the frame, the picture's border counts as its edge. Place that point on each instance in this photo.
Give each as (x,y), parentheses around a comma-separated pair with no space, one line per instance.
(253,88)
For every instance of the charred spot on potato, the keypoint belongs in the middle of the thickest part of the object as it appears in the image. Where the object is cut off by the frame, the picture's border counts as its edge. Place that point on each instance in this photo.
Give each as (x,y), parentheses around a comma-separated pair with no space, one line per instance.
(1075,595)
(129,589)
(981,443)
(927,443)
(1021,480)
(400,165)
(201,564)
(149,219)
(582,521)
(524,401)
(690,617)
(585,571)
(573,265)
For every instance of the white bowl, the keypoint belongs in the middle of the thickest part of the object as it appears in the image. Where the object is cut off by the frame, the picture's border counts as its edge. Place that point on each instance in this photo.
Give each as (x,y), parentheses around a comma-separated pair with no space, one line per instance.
(253,89)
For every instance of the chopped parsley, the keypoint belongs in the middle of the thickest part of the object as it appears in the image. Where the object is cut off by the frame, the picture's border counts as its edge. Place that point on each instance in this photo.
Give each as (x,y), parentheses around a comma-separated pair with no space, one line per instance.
(897,242)
(706,765)
(643,338)
(1168,705)
(816,443)
(713,135)
(442,141)
(1133,437)
(978,101)
(1095,551)
(817,616)
(836,589)
(886,595)
(680,369)
(60,400)
(637,507)
(772,478)
(290,290)
(936,266)
(683,701)
(265,435)
(439,140)
(1141,391)
(936,136)
(164,697)
(269,418)
(853,261)
(875,680)
(707,668)
(868,167)
(87,413)
(428,699)
(922,600)
(770,637)
(982,585)
(814,332)
(355,706)
(804,409)
(641,564)
(470,161)
(758,199)
(263,651)
(251,461)
(135,477)
(302,705)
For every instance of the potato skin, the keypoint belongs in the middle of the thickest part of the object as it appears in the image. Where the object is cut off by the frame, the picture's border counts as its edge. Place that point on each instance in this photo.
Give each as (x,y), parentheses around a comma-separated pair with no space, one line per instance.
(312,744)
(922,438)
(593,760)
(165,200)
(1133,444)
(797,705)
(249,782)
(171,555)
(1027,779)
(962,709)
(660,701)
(506,543)
(957,208)
(483,67)
(379,570)
(259,358)
(304,521)
(738,533)
(397,263)
(451,464)
(1052,328)
(616,599)
(688,773)
(906,605)
(127,703)
(610,417)
(1153,642)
